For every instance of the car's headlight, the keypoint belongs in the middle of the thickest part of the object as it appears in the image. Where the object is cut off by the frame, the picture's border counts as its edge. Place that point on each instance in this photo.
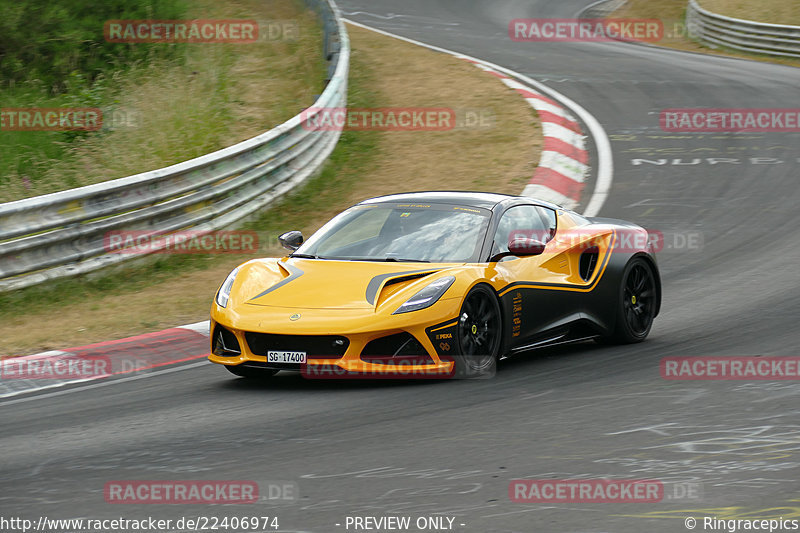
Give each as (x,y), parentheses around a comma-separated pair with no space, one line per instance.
(225,290)
(427,296)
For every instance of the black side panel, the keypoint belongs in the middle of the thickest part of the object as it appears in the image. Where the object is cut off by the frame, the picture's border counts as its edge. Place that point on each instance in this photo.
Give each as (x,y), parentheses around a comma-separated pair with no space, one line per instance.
(534,314)
(600,305)
(443,337)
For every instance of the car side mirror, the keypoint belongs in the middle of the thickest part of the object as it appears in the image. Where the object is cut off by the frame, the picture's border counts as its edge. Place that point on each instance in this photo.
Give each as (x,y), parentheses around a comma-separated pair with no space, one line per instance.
(522,246)
(291,240)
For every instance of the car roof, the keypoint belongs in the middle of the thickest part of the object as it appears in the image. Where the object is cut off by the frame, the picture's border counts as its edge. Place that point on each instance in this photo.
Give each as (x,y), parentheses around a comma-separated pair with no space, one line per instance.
(486,200)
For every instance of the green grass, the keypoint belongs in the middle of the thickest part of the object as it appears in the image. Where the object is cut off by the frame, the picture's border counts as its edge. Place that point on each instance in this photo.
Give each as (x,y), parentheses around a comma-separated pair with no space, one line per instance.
(54,55)
(24,151)
(198,99)
(41,162)
(48,41)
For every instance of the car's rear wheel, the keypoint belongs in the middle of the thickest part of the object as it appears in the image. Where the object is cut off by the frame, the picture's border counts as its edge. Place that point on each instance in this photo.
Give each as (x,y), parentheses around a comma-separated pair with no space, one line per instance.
(250,372)
(479,333)
(637,303)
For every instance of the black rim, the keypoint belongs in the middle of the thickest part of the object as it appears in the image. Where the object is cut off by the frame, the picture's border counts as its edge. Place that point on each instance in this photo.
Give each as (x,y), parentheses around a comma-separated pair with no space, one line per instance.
(479,328)
(639,299)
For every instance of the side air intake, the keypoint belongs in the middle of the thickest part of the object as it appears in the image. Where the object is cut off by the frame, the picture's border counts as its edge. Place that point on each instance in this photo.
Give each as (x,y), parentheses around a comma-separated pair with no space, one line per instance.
(588,262)
(225,343)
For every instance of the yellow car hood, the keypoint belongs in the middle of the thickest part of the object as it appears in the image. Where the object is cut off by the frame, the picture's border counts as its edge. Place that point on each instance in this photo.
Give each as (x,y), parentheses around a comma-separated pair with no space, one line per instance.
(323,284)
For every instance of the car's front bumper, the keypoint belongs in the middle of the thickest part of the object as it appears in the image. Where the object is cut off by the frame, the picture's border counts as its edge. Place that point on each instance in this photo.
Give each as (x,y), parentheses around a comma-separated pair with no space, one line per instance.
(360,358)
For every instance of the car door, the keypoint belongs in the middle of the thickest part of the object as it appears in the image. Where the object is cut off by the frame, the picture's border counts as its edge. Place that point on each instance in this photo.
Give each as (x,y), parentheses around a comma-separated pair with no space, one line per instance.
(532,308)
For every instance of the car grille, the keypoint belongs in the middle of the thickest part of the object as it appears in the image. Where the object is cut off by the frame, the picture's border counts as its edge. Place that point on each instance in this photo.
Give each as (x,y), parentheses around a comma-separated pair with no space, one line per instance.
(315,346)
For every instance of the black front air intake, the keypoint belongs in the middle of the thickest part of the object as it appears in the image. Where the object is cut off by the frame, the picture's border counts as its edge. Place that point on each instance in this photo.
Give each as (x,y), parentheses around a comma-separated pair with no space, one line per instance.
(393,349)
(225,343)
(315,346)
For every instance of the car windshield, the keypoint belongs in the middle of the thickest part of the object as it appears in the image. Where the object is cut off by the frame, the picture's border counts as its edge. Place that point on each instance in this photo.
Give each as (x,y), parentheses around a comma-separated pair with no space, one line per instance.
(436,233)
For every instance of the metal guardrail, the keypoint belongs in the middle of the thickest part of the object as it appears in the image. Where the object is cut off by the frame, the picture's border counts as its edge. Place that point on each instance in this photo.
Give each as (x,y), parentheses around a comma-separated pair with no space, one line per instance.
(62,234)
(749,36)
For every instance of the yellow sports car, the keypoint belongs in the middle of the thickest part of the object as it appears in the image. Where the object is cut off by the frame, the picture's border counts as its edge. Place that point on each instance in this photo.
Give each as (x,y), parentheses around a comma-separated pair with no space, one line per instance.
(435,284)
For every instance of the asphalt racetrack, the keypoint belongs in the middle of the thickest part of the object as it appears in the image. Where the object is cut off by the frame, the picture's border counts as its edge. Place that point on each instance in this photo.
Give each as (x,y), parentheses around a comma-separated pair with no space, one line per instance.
(450,449)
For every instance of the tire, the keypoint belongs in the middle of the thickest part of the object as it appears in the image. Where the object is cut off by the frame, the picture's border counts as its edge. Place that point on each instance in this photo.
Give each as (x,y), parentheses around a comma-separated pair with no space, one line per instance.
(480,330)
(250,372)
(636,303)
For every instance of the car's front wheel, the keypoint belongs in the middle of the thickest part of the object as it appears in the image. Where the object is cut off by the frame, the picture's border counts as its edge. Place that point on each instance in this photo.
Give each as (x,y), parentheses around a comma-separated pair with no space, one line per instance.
(479,333)
(637,303)
(250,372)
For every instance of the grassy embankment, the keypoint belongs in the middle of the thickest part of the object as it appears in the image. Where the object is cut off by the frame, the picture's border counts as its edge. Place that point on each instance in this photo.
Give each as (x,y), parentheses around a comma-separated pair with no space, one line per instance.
(162,103)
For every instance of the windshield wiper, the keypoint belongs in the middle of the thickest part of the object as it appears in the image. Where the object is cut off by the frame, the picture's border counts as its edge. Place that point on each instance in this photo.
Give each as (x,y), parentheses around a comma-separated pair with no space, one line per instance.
(398,260)
(376,259)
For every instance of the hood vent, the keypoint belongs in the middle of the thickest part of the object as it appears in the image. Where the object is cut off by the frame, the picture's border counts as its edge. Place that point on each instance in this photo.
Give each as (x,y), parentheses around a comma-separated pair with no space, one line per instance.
(391,279)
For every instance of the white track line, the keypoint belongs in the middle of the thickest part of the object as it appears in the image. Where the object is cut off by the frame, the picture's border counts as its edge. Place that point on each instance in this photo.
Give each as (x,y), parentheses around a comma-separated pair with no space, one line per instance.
(563,164)
(539,105)
(551,129)
(198,327)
